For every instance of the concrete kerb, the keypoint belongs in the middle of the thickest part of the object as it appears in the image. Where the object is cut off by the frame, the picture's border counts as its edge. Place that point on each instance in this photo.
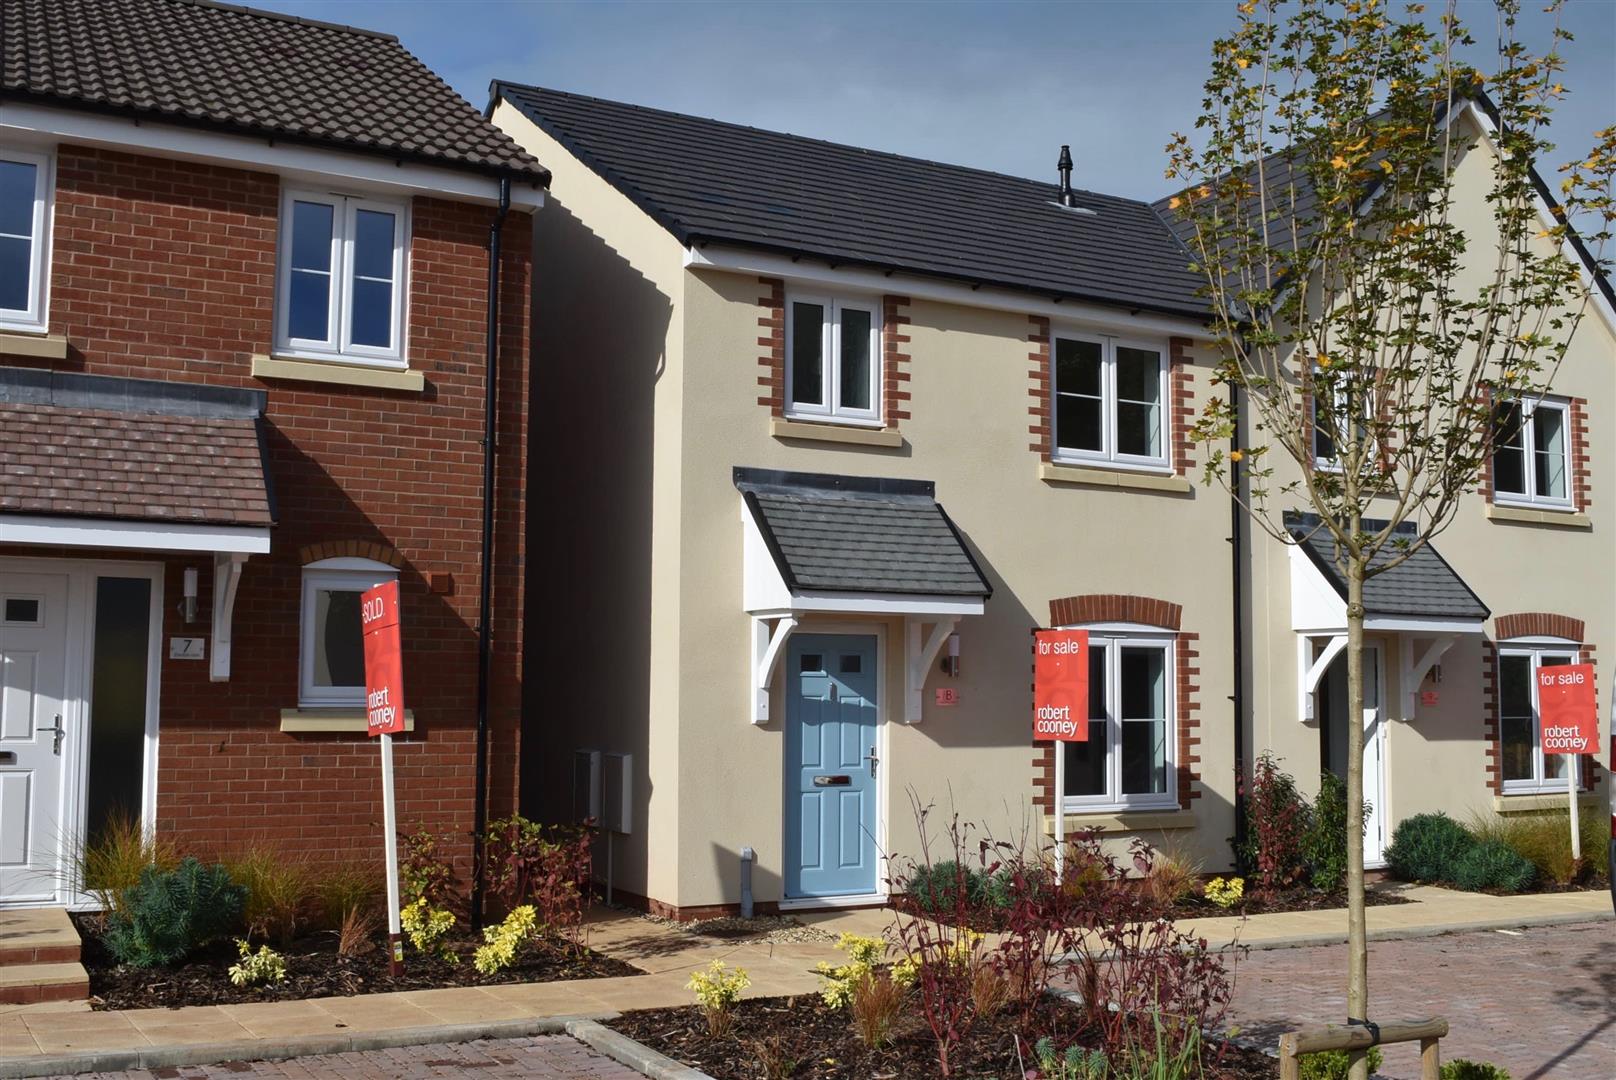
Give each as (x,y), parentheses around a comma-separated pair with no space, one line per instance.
(1399,933)
(625,1051)
(182,1054)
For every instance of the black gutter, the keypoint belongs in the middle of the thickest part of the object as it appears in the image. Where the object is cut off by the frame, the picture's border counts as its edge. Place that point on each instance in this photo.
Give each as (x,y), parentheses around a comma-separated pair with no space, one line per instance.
(485,584)
(1237,697)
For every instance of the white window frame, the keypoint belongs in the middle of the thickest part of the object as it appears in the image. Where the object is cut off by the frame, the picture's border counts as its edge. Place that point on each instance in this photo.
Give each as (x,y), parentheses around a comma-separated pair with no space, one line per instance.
(36,316)
(1535,649)
(1115,638)
(1530,496)
(1108,452)
(344,575)
(830,379)
(338,343)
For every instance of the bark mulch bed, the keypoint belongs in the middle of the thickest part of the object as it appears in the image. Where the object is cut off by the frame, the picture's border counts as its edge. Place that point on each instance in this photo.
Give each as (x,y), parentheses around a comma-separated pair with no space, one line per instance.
(821,1041)
(313,969)
(1199,907)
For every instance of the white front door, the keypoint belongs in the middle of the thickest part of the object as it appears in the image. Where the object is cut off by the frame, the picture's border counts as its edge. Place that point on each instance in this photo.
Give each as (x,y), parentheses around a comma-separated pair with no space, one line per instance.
(33,692)
(1376,835)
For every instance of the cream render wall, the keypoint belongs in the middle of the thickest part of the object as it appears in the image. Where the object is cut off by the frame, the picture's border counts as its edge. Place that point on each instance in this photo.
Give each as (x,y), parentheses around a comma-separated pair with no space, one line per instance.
(1437,755)
(604,532)
(1035,540)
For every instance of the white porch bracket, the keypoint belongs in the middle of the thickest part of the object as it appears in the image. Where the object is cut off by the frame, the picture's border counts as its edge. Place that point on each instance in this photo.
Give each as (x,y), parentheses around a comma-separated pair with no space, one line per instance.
(919,654)
(1312,670)
(1414,673)
(226,577)
(767,644)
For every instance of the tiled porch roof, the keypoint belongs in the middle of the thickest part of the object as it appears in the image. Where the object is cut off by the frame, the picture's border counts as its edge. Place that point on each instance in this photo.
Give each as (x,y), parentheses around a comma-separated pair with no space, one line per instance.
(146,461)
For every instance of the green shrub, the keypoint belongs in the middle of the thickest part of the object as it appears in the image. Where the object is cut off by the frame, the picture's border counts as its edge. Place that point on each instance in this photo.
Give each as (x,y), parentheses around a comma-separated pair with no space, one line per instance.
(1427,847)
(1325,844)
(1332,1064)
(1462,1069)
(935,888)
(280,891)
(1493,864)
(172,912)
(1545,839)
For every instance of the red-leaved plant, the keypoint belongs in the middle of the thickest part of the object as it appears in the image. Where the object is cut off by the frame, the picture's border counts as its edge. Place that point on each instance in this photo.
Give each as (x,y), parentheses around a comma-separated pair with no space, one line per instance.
(546,866)
(1277,821)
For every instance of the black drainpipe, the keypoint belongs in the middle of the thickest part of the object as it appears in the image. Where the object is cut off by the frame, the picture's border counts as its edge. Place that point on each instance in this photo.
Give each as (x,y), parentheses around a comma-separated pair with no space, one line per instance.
(1238,575)
(485,652)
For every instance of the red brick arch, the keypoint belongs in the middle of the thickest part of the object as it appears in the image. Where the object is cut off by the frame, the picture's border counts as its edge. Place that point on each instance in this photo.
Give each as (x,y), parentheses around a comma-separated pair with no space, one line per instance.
(351,549)
(1530,624)
(1113,607)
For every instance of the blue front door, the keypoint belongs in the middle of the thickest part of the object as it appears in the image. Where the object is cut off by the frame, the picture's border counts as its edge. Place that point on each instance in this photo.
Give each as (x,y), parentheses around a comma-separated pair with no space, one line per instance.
(830,765)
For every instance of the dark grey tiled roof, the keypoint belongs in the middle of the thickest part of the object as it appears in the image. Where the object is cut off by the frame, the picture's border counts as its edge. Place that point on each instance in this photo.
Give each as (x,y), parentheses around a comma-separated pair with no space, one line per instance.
(704,180)
(859,534)
(1424,586)
(234,68)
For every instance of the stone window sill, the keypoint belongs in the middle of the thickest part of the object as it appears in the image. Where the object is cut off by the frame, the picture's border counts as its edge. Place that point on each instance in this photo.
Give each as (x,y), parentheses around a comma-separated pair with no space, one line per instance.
(1521,515)
(1086,476)
(1530,804)
(303,721)
(42,346)
(331,371)
(782,428)
(1122,821)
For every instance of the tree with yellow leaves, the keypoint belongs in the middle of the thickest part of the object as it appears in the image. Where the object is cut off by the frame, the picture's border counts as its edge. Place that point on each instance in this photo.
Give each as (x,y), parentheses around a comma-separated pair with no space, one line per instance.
(1352,312)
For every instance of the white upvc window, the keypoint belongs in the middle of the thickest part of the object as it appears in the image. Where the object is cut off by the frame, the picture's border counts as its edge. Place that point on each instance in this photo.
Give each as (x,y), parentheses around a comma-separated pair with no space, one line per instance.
(1531,452)
(1329,428)
(1129,761)
(833,358)
(331,669)
(1526,768)
(342,280)
(1109,401)
(26,188)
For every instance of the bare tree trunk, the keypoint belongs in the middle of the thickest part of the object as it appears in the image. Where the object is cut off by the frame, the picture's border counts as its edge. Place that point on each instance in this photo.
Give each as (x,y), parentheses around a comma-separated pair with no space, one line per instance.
(1357,930)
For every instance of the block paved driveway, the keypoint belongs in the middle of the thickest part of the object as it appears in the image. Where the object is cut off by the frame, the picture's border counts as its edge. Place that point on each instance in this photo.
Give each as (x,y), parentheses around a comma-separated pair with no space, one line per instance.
(1540,1002)
(542,1057)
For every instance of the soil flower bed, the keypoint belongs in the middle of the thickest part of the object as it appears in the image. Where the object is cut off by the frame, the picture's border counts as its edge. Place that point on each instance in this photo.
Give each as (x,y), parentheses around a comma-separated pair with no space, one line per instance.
(1199,907)
(313,969)
(822,1044)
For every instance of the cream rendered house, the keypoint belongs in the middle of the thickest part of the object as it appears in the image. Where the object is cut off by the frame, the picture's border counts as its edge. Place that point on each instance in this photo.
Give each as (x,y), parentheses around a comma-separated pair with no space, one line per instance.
(822,435)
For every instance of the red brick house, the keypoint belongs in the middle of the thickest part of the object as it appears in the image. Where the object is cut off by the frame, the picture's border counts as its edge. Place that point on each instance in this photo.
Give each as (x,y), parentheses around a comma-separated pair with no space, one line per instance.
(245,335)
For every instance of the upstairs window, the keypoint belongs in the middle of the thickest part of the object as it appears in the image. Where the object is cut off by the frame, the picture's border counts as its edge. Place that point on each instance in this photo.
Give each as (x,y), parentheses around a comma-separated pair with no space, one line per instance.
(25,191)
(833,351)
(1531,462)
(1108,397)
(342,285)
(332,667)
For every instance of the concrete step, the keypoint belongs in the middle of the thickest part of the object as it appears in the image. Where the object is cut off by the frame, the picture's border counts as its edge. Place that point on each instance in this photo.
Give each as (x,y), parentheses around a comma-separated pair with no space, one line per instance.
(25,984)
(37,936)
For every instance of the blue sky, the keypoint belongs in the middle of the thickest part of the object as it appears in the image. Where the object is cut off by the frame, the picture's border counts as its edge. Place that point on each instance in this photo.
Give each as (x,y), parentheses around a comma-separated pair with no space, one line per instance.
(993,85)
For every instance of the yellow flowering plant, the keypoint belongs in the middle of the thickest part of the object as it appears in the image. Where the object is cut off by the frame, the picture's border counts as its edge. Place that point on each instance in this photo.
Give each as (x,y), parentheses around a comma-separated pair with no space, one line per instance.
(1226,892)
(717,990)
(504,940)
(426,927)
(266,966)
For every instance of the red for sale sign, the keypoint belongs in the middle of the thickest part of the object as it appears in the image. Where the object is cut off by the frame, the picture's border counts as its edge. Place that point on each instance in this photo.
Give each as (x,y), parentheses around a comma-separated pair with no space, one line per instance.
(384,662)
(1566,706)
(1061,685)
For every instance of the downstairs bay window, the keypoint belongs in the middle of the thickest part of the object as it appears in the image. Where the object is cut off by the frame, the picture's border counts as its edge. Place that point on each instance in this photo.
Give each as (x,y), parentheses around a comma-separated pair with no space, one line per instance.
(1526,768)
(332,653)
(1128,761)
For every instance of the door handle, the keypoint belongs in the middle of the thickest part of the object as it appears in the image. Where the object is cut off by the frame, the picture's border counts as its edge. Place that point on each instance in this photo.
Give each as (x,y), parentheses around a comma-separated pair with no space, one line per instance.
(58,731)
(873,760)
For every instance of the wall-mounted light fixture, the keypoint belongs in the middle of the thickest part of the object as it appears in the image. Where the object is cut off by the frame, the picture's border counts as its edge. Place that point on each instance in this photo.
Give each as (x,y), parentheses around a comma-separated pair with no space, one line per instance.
(951,664)
(188,604)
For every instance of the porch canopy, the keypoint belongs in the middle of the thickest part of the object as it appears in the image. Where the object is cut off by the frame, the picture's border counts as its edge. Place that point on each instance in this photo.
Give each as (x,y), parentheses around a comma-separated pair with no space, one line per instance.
(91,461)
(817,544)
(1422,600)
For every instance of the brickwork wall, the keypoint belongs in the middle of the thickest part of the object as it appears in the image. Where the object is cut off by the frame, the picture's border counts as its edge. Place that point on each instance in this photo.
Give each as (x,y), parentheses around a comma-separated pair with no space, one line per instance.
(165,270)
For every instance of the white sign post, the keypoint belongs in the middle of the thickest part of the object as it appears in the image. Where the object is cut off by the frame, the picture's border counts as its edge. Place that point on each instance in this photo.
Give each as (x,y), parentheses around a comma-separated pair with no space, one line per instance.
(384,715)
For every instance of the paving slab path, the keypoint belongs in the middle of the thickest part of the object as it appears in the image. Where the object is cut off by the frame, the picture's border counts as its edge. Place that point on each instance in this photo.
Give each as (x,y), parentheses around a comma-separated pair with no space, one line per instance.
(1539,1001)
(541,1057)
